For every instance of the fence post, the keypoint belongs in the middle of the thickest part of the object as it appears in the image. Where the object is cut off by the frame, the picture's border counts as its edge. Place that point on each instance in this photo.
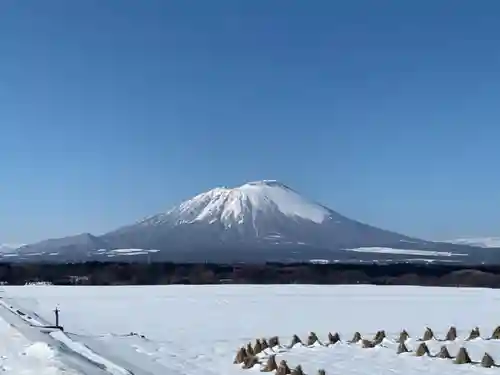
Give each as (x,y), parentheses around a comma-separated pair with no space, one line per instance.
(56,311)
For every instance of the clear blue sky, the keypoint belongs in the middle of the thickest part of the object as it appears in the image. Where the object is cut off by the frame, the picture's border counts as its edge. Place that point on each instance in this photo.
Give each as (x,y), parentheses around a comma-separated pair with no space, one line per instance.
(386,111)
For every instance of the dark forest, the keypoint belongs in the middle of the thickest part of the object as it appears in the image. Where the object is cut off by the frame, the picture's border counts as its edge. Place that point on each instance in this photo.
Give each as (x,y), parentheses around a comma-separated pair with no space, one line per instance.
(95,273)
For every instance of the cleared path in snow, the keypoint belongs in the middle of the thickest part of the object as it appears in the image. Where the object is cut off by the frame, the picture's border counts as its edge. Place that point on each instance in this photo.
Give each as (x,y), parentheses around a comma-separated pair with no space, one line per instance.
(50,355)
(78,353)
(18,355)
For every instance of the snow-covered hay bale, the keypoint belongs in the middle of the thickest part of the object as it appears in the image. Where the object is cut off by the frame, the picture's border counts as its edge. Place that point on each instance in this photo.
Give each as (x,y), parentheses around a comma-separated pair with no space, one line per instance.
(312,339)
(298,370)
(422,350)
(403,336)
(271,364)
(496,334)
(295,340)
(474,334)
(487,361)
(249,362)
(257,348)
(264,344)
(451,335)
(366,344)
(283,368)
(274,341)
(379,337)
(333,339)
(356,338)
(428,335)
(240,356)
(402,348)
(444,353)
(462,357)
(250,351)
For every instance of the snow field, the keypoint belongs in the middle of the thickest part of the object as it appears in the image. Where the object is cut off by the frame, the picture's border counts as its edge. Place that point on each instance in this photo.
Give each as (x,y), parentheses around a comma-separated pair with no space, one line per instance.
(198,329)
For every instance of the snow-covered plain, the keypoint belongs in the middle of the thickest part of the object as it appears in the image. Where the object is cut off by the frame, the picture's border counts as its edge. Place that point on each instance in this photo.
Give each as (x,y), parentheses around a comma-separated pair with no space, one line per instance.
(197,329)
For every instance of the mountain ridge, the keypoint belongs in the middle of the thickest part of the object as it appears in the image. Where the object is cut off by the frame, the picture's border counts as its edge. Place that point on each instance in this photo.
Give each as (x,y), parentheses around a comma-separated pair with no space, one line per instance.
(258,221)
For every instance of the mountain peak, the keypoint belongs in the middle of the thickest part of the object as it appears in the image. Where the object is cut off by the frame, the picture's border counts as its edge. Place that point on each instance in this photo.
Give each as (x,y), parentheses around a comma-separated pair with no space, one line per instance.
(269,183)
(245,203)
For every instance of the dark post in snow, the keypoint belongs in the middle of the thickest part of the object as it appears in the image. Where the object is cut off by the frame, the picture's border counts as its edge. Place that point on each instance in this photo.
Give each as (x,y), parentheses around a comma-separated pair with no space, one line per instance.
(56,311)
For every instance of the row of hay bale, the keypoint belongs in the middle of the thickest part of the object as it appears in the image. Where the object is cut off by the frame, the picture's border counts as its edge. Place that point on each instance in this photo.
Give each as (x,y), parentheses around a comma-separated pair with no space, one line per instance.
(274,342)
(461,358)
(248,355)
(452,335)
(249,361)
(313,339)
(251,355)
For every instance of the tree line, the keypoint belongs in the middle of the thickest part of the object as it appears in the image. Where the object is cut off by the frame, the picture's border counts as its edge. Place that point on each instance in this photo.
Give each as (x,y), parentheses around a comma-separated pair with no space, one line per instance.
(96,273)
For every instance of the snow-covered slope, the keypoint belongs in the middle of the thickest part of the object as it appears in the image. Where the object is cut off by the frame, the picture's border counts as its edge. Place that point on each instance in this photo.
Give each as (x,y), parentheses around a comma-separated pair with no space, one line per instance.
(254,209)
(8,247)
(258,221)
(233,206)
(482,242)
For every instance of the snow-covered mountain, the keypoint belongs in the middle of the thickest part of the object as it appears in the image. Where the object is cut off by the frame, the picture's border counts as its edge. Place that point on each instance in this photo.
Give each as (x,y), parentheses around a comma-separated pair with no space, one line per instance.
(232,207)
(257,215)
(258,221)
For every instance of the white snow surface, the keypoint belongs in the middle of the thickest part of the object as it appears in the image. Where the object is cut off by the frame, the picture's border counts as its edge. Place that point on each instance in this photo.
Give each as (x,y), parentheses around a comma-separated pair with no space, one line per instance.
(480,241)
(129,251)
(234,206)
(19,356)
(197,329)
(388,250)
